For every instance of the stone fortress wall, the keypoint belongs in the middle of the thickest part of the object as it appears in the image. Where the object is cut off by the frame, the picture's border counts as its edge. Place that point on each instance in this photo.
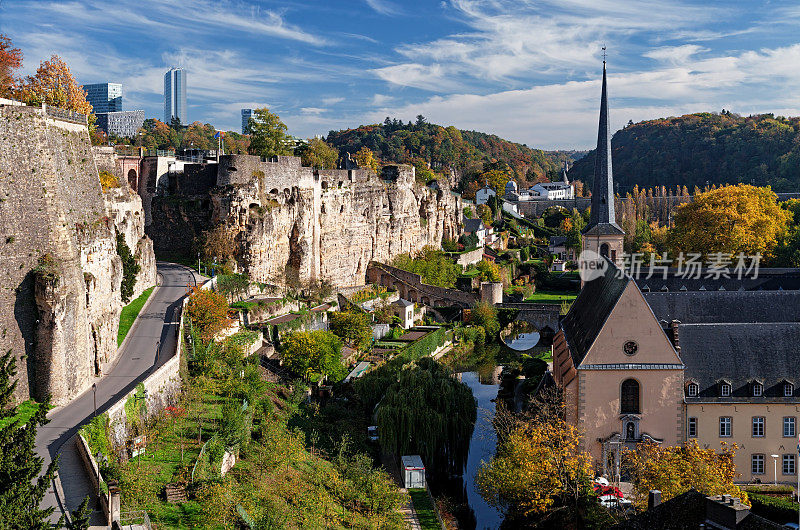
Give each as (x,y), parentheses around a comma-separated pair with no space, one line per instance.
(297,223)
(60,298)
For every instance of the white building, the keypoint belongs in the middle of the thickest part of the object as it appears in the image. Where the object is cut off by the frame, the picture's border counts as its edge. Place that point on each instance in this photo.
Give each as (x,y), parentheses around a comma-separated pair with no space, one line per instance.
(483,194)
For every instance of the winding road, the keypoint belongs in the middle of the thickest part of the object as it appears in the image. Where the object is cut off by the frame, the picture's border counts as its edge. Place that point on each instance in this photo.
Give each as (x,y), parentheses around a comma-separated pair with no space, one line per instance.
(135,361)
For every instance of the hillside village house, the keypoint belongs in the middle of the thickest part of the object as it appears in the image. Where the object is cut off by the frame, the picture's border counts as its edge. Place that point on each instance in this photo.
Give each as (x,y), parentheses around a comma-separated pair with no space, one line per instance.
(667,360)
(483,194)
(475,226)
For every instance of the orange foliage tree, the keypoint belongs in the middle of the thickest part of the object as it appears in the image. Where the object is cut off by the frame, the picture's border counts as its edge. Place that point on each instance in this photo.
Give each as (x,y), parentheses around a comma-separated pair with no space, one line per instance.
(54,84)
(674,470)
(208,311)
(10,60)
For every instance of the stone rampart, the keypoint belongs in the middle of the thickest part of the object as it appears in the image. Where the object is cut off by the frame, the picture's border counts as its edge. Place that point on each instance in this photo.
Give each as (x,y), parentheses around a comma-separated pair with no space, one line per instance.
(410,287)
(59,310)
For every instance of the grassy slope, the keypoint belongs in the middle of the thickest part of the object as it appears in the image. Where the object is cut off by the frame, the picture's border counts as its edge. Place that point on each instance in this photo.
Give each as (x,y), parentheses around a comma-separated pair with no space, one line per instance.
(129,314)
(424,508)
(551,297)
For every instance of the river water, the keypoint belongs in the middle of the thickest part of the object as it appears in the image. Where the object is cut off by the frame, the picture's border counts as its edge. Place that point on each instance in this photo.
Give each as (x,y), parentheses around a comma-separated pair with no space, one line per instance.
(471,510)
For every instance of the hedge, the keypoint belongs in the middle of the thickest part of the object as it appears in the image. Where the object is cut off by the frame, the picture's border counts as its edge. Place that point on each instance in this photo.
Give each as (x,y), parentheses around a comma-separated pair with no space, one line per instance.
(424,346)
(773,508)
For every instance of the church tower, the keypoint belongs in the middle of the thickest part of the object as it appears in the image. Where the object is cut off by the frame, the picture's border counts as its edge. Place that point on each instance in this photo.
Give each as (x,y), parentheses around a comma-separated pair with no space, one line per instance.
(603,235)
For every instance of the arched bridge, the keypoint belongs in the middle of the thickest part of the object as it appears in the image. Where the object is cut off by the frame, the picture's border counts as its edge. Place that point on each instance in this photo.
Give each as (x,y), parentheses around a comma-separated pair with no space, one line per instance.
(543,317)
(411,288)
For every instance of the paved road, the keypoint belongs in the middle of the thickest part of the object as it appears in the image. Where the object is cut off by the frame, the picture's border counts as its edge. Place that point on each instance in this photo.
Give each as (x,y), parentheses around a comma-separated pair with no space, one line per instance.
(156,324)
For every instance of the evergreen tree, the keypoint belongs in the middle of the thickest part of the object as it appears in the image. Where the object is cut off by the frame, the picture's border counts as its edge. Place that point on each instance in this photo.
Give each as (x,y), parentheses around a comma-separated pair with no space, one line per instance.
(21,486)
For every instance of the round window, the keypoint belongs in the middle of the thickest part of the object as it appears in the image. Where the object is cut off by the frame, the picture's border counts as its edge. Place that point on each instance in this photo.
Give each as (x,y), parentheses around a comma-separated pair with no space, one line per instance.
(630,347)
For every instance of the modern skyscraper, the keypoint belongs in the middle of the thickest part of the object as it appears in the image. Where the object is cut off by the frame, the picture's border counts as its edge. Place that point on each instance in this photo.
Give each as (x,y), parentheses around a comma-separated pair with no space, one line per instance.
(246,115)
(104,97)
(175,95)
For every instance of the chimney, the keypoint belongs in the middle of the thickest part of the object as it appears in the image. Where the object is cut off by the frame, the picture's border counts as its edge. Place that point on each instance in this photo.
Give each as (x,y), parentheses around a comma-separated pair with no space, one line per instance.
(675,338)
(653,499)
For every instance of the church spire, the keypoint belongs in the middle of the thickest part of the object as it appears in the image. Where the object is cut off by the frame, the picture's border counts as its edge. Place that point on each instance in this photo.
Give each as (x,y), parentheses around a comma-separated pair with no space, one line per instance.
(603,219)
(564,176)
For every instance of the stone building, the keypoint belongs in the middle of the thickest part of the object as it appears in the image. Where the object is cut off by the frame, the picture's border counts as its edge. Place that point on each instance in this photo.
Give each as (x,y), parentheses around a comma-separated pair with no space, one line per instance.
(667,359)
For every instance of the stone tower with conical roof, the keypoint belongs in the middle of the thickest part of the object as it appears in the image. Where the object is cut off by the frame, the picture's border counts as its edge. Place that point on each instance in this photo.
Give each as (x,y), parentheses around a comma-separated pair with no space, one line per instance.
(603,235)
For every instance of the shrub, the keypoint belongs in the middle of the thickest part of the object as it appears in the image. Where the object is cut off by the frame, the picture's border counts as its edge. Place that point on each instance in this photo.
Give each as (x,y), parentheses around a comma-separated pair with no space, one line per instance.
(353,327)
(772,508)
(130,268)
(108,181)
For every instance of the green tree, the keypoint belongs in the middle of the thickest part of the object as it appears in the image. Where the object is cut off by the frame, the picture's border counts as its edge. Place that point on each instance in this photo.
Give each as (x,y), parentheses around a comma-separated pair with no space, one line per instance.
(307,352)
(130,268)
(318,154)
(432,264)
(353,327)
(267,134)
(490,271)
(21,486)
(485,315)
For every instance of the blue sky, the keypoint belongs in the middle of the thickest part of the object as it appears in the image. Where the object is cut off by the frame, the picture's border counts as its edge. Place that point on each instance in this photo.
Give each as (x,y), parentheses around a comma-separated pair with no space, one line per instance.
(523,69)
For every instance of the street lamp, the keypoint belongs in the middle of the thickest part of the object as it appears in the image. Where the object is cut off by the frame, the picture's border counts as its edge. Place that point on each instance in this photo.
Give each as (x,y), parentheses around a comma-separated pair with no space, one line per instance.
(775,469)
(94,395)
(198,263)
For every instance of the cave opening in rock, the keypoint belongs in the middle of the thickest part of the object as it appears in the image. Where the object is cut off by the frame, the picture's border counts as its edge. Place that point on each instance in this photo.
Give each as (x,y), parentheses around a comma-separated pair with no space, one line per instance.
(295,256)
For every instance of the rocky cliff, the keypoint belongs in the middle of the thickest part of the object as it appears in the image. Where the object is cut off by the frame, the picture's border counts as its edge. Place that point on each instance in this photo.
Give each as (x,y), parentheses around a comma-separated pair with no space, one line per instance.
(60,301)
(294,223)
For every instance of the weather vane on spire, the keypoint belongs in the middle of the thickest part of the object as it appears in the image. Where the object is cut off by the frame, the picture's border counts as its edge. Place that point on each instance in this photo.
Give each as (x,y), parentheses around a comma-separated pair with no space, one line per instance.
(604,54)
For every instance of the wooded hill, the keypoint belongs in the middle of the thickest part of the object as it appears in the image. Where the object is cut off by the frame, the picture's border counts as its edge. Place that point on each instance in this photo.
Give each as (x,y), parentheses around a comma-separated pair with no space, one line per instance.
(447,147)
(704,148)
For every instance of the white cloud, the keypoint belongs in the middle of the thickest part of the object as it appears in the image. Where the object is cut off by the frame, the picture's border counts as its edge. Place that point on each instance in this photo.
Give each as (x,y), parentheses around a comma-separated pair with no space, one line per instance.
(384,7)
(675,54)
(380,99)
(312,110)
(331,100)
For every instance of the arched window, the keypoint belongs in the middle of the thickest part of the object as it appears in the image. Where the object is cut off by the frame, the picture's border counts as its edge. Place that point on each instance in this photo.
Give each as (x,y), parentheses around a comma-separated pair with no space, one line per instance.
(692,389)
(604,249)
(629,397)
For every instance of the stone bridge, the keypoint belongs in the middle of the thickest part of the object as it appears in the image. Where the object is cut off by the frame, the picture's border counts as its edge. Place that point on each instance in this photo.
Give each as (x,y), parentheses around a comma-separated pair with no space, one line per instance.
(410,287)
(544,317)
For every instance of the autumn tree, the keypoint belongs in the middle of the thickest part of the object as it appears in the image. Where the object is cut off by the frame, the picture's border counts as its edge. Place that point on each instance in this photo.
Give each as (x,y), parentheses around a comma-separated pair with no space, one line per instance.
(352,326)
(219,243)
(485,316)
(268,136)
(673,470)
(490,271)
(366,158)
(208,311)
(309,352)
(497,179)
(54,85)
(317,154)
(10,60)
(539,471)
(730,219)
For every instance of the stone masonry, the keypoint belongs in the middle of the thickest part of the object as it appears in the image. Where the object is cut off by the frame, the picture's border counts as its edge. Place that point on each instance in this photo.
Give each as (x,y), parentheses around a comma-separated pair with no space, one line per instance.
(295,222)
(60,299)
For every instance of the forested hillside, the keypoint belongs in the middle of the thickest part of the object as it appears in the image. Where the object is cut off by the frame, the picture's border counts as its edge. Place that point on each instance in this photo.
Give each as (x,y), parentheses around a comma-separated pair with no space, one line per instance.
(697,149)
(443,148)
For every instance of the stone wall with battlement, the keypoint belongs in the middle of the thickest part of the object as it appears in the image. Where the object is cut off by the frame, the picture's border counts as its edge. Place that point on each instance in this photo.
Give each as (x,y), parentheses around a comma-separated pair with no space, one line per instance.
(410,287)
(294,223)
(60,301)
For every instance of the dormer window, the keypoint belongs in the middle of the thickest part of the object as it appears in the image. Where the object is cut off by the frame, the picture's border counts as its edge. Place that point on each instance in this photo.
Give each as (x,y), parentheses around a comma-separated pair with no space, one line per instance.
(788,389)
(692,389)
(725,389)
(758,389)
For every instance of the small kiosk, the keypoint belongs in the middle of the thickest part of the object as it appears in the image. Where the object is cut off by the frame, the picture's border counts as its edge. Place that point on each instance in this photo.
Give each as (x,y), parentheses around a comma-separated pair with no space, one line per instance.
(413,471)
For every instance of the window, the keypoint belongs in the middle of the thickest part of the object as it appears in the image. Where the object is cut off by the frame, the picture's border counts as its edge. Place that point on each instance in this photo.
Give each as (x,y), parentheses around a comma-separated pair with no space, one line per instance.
(758,389)
(788,389)
(789,464)
(725,424)
(758,426)
(757,464)
(629,397)
(692,428)
(789,427)
(604,250)
(692,389)
(725,389)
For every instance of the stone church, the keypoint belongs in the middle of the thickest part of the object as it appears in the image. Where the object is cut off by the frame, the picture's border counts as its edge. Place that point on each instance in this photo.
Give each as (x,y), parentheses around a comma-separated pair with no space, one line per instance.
(669,359)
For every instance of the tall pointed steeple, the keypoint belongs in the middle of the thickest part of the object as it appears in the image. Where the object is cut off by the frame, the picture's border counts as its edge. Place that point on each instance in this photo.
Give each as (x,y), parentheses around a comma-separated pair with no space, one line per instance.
(564,177)
(603,219)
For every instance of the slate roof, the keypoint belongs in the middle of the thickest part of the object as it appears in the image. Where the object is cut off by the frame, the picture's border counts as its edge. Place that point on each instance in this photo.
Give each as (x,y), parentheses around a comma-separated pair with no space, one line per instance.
(473,225)
(741,353)
(767,280)
(687,510)
(703,307)
(591,309)
(558,241)
(402,303)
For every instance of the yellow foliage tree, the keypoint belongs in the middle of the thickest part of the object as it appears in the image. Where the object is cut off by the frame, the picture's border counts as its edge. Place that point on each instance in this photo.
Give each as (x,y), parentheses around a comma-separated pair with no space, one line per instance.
(54,84)
(497,179)
(674,470)
(538,468)
(730,219)
(108,181)
(366,158)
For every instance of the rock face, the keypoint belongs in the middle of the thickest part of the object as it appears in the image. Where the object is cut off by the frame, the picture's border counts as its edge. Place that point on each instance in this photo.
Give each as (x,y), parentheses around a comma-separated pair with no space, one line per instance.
(293,223)
(60,301)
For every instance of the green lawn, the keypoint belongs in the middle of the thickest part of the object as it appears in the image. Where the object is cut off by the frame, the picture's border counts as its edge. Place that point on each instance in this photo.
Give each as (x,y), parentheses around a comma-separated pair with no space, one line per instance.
(129,314)
(551,297)
(424,508)
(25,410)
